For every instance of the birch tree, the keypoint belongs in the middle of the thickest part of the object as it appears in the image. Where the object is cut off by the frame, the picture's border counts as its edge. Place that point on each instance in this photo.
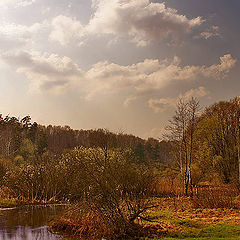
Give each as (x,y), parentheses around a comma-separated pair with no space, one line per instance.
(181,131)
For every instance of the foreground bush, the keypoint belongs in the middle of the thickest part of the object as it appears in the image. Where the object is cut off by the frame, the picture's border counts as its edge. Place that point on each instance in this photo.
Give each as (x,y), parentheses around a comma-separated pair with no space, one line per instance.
(83,221)
(111,189)
(116,192)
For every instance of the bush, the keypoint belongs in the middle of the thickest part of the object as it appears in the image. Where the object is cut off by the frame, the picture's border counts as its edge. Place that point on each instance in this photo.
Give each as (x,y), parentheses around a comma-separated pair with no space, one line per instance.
(85,222)
(39,181)
(116,192)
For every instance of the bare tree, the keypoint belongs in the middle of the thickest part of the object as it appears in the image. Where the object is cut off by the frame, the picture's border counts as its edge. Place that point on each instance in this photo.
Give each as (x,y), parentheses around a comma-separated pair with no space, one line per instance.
(181,132)
(193,107)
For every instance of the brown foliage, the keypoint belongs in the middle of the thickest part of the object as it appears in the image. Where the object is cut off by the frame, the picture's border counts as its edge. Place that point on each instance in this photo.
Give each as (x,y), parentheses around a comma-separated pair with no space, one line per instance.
(84,222)
(167,186)
(116,195)
(216,197)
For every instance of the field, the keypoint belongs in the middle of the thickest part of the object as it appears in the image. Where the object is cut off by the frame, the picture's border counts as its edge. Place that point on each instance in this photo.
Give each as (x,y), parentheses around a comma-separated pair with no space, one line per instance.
(178,219)
(212,214)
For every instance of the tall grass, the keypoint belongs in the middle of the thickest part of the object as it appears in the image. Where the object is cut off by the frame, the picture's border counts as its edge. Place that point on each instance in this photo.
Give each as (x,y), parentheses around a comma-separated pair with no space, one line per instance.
(85,223)
(168,187)
(216,197)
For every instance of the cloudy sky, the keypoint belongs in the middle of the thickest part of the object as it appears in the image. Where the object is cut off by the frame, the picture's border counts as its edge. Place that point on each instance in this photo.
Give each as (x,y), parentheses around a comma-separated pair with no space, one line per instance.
(116,64)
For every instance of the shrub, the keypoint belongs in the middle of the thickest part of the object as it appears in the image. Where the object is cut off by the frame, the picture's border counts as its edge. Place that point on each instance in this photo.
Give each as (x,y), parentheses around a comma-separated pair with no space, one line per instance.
(216,197)
(116,192)
(169,184)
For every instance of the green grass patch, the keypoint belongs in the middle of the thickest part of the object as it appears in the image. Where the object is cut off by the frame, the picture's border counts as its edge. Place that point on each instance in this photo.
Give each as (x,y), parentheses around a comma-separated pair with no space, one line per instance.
(186,223)
(160,215)
(4,203)
(213,232)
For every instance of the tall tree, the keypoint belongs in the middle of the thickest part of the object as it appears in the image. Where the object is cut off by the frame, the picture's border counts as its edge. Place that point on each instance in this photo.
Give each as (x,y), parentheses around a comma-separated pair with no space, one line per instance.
(181,133)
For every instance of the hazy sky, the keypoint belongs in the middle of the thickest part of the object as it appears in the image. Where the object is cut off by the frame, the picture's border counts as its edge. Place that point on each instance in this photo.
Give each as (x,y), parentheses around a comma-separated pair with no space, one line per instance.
(116,64)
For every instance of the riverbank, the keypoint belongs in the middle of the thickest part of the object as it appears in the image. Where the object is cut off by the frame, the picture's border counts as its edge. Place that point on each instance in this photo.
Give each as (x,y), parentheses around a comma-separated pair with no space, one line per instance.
(175,218)
(180,219)
(13,202)
(9,202)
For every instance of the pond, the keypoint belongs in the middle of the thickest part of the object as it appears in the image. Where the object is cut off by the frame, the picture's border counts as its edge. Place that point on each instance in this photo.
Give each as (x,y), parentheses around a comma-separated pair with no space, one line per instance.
(28,222)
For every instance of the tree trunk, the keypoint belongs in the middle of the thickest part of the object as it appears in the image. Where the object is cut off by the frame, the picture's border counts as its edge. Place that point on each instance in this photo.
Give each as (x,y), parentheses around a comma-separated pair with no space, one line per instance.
(190,182)
(238,162)
(186,183)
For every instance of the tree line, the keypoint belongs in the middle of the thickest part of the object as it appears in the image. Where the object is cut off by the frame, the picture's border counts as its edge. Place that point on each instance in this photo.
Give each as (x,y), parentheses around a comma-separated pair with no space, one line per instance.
(21,137)
(206,144)
(202,147)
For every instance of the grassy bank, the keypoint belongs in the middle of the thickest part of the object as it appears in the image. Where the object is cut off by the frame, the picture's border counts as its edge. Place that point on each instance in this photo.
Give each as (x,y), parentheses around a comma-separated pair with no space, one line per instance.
(174,218)
(179,219)
(8,203)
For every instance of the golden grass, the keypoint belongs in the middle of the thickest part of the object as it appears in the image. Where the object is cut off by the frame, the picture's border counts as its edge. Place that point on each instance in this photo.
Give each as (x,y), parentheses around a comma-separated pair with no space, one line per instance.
(210,215)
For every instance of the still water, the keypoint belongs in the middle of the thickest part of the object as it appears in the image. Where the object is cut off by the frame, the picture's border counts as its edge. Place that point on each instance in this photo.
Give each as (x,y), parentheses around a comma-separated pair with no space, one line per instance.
(28,223)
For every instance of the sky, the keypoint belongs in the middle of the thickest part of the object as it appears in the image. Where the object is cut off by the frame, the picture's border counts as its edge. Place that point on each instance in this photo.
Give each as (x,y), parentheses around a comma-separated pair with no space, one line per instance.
(116,64)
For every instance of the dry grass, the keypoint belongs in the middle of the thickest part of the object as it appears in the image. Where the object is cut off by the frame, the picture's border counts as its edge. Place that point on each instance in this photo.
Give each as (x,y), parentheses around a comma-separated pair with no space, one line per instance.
(214,212)
(168,187)
(179,218)
(87,224)
(216,197)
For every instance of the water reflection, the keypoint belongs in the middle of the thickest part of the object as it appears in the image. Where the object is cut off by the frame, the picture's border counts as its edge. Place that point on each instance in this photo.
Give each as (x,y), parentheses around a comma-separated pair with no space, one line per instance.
(28,223)
(28,233)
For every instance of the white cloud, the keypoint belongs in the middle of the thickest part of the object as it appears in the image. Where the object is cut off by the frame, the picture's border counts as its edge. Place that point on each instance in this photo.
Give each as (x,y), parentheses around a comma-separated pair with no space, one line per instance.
(16,3)
(47,72)
(152,75)
(66,29)
(210,33)
(227,62)
(140,21)
(53,72)
(200,92)
(46,10)
(14,35)
(25,3)
(20,31)
(163,104)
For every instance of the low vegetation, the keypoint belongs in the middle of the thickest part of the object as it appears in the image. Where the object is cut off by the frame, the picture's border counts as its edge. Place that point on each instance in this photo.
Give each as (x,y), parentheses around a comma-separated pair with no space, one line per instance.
(123,187)
(180,219)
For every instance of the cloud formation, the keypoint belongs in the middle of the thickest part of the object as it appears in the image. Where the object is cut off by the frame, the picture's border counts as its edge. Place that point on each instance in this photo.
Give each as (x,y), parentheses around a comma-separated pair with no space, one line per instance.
(47,72)
(141,21)
(66,30)
(163,104)
(210,33)
(15,35)
(152,75)
(16,3)
(129,100)
(50,71)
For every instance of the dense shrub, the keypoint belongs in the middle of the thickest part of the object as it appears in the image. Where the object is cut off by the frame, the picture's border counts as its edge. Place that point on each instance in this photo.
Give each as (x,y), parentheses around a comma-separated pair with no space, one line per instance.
(115,191)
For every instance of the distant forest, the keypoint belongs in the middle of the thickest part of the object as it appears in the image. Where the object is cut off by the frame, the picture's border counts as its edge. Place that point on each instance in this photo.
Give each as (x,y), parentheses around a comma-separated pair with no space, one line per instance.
(22,138)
